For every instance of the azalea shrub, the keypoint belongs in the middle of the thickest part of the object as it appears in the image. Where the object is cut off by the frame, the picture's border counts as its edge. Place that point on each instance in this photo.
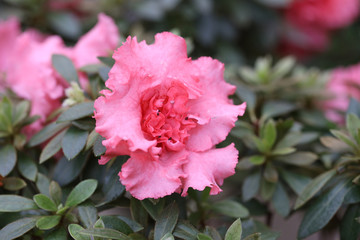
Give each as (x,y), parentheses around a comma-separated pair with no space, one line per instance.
(163,120)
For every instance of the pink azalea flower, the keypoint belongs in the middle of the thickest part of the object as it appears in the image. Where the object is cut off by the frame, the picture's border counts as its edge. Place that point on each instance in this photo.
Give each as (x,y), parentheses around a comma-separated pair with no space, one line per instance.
(344,83)
(30,73)
(167,112)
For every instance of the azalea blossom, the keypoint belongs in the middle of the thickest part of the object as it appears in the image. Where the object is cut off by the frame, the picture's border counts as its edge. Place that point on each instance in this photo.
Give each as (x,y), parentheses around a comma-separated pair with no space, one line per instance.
(167,112)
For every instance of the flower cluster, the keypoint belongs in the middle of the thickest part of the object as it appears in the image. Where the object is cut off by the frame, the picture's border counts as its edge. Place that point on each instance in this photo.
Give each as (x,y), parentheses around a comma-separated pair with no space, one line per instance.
(167,112)
(311,20)
(25,63)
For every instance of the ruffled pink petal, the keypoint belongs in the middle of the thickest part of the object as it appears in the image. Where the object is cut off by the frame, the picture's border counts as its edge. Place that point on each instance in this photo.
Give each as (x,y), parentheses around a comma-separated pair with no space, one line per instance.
(145,177)
(210,168)
(99,41)
(214,106)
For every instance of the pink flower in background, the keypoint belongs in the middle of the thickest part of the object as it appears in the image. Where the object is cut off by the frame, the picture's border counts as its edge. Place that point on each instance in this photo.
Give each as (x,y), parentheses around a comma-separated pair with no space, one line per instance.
(344,84)
(9,31)
(167,112)
(30,73)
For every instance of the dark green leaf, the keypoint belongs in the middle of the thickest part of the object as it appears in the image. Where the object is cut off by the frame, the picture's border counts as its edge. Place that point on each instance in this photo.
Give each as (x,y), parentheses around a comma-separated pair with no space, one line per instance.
(17,228)
(46,133)
(136,227)
(99,148)
(202,236)
(313,187)
(270,173)
(104,73)
(77,111)
(58,234)
(87,214)
(353,126)
(73,142)
(349,228)
(281,200)
(14,203)
(322,210)
(246,95)
(104,233)
(74,232)
(27,167)
(66,171)
(276,108)
(55,192)
(296,182)
(343,137)
(65,23)
(21,111)
(257,159)
(267,189)
(81,192)
(353,194)
(138,212)
(45,202)
(212,232)
(283,151)
(65,68)
(251,186)
(298,158)
(153,209)
(13,183)
(117,224)
(107,61)
(48,222)
(230,208)
(269,133)
(7,159)
(168,236)
(52,147)
(166,222)
(43,183)
(235,231)
(185,231)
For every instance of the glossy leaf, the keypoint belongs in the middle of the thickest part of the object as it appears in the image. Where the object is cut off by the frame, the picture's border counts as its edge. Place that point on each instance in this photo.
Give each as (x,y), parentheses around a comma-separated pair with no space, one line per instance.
(77,111)
(14,203)
(73,142)
(7,159)
(166,221)
(235,231)
(81,192)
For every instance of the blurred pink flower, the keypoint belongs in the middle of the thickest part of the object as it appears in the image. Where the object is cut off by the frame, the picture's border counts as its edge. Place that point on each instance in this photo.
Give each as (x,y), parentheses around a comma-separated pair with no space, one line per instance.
(30,73)
(167,112)
(344,83)
(9,31)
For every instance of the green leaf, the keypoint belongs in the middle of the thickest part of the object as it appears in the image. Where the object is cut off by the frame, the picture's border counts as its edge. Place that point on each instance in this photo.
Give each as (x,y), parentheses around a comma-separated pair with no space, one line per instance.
(13,183)
(269,134)
(353,194)
(14,203)
(88,214)
(113,222)
(186,231)
(298,158)
(7,159)
(230,208)
(212,232)
(322,210)
(168,236)
(73,142)
(138,212)
(270,173)
(74,230)
(267,189)
(21,111)
(353,126)
(313,187)
(43,183)
(99,148)
(283,151)
(104,233)
(280,200)
(58,234)
(349,228)
(81,192)
(55,192)
(343,137)
(251,186)
(166,222)
(52,147)
(77,111)
(45,202)
(104,73)
(46,133)
(296,182)
(136,227)
(48,222)
(65,68)
(17,228)
(276,108)
(283,67)
(202,236)
(108,61)
(153,209)
(235,231)
(246,95)
(27,167)
(257,159)
(66,171)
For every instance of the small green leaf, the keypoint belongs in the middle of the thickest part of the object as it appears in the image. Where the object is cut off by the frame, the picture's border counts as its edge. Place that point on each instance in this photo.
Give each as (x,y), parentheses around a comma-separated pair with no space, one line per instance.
(58,234)
(81,192)
(251,186)
(45,202)
(65,68)
(168,236)
(270,173)
(14,203)
(104,233)
(52,147)
(104,73)
(136,227)
(7,159)
(283,151)
(21,111)
(153,209)
(212,232)
(73,142)
(276,108)
(202,236)
(296,182)
(313,187)
(108,61)
(66,171)
(267,189)
(13,183)
(116,223)
(77,111)
(27,167)
(48,222)
(99,148)
(17,228)
(43,183)
(353,126)
(349,228)
(230,208)
(281,200)
(235,231)
(46,133)
(55,192)
(269,134)
(185,230)
(74,232)
(343,137)
(166,222)
(257,159)
(87,214)
(298,158)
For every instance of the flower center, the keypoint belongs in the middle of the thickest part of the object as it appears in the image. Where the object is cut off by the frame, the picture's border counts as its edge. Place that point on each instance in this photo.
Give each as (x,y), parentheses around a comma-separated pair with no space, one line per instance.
(165,116)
